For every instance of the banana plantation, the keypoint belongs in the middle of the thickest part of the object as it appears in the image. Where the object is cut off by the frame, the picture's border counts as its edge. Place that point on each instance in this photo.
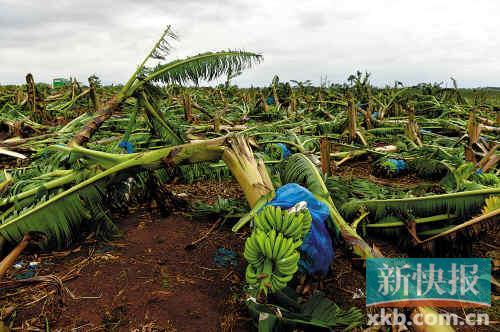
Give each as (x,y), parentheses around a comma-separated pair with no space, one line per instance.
(170,203)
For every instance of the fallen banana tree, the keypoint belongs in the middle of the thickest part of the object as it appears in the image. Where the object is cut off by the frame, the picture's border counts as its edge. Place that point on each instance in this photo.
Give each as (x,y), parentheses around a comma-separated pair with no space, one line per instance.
(68,195)
(461,203)
(75,196)
(205,66)
(491,212)
(60,215)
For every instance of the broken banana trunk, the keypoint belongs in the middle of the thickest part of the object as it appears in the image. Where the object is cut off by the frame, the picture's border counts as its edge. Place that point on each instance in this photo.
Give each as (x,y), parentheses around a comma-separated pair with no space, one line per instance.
(93,125)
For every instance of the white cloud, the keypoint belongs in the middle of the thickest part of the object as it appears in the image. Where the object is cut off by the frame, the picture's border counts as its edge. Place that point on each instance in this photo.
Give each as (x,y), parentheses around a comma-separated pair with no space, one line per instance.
(408,41)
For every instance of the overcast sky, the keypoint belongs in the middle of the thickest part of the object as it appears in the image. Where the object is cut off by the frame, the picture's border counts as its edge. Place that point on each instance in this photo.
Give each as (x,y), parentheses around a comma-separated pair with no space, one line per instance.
(410,41)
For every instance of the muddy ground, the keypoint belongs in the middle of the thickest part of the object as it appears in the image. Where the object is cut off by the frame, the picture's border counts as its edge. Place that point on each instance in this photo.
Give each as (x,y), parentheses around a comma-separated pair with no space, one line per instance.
(146,280)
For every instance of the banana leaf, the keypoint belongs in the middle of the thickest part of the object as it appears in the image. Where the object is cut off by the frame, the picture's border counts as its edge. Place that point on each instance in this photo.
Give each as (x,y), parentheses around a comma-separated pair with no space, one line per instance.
(464,203)
(318,312)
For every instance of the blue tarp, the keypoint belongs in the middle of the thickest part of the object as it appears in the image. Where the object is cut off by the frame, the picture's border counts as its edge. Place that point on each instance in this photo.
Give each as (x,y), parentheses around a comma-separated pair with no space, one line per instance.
(285,151)
(317,248)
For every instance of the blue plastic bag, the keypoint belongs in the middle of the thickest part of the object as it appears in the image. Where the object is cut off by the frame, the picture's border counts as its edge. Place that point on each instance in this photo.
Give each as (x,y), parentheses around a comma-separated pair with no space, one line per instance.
(129,147)
(285,151)
(400,164)
(270,100)
(317,248)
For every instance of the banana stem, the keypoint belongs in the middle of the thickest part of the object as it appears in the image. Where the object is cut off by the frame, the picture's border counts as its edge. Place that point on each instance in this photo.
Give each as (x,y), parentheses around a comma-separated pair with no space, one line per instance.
(7,262)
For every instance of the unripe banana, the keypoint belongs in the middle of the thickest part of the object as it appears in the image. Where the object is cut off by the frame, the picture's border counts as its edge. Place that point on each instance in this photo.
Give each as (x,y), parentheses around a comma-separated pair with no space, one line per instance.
(306,225)
(250,253)
(281,221)
(271,250)
(277,283)
(250,275)
(288,269)
(299,218)
(268,250)
(269,223)
(270,213)
(261,240)
(271,238)
(284,221)
(288,265)
(297,244)
(278,218)
(262,223)
(257,222)
(292,229)
(291,259)
(283,278)
(286,243)
(292,248)
(277,245)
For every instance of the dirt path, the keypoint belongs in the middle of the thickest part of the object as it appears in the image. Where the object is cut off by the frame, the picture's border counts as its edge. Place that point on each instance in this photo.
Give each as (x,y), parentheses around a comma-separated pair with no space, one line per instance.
(148,280)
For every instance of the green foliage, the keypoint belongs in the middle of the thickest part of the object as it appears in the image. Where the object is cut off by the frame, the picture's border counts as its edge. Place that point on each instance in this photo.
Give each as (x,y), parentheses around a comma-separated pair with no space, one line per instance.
(299,169)
(344,189)
(59,217)
(486,179)
(205,66)
(429,168)
(150,115)
(203,171)
(317,312)
(465,203)
(222,207)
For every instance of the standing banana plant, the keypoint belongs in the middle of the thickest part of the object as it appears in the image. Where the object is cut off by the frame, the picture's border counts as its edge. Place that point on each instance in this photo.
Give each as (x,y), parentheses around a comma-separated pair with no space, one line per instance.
(385,102)
(412,129)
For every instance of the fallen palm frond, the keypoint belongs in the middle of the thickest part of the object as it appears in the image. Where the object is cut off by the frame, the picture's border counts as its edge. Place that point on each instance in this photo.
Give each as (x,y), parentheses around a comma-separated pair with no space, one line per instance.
(493,216)
(317,312)
(59,217)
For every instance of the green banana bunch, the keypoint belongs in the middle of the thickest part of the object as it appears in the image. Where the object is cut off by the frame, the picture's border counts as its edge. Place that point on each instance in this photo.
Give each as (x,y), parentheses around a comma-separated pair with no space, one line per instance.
(292,224)
(271,249)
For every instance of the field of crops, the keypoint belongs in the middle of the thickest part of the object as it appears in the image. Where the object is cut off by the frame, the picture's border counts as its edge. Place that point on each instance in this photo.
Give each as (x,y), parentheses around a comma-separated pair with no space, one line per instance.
(165,205)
